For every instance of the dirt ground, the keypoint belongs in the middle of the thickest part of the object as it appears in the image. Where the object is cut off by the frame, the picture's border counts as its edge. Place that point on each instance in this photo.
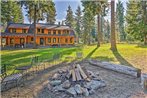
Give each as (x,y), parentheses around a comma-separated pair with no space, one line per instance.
(118,85)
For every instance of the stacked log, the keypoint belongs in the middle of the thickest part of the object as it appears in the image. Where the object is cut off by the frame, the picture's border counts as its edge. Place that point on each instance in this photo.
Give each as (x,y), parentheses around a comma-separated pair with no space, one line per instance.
(77,73)
(75,80)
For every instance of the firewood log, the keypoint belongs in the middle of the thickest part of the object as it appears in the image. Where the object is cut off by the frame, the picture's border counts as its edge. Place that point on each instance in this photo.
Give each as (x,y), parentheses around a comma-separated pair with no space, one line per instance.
(78,76)
(81,72)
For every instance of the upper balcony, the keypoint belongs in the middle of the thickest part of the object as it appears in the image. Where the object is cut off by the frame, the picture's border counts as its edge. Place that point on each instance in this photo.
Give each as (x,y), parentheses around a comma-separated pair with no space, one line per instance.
(41,29)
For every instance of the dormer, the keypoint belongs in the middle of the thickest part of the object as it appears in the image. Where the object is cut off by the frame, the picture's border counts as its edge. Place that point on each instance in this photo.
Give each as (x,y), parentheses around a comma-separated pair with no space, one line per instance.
(18,28)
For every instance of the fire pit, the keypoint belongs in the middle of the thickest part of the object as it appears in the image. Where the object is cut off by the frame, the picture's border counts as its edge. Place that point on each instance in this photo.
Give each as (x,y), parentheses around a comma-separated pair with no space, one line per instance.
(75,80)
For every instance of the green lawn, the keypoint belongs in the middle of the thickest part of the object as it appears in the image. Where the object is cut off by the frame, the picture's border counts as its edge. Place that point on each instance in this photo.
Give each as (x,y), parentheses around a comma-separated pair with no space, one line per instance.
(127,54)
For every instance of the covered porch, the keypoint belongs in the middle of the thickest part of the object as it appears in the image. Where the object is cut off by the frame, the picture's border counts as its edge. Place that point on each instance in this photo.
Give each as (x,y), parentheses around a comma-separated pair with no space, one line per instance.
(15,41)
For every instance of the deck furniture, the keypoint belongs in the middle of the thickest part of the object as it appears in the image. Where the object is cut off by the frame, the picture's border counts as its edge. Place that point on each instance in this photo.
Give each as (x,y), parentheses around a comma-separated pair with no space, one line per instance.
(25,69)
(68,58)
(11,79)
(56,57)
(79,56)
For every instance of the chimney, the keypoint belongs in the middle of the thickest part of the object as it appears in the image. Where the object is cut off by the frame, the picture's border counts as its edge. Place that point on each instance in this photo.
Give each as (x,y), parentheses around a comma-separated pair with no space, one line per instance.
(62,22)
(58,23)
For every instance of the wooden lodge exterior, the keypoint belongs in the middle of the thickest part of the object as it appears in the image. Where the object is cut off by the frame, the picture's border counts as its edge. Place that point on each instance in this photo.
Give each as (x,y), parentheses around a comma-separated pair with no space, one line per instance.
(21,35)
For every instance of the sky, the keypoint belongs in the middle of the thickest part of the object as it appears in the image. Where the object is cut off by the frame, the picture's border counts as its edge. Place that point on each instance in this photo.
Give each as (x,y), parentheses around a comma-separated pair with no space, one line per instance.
(61,8)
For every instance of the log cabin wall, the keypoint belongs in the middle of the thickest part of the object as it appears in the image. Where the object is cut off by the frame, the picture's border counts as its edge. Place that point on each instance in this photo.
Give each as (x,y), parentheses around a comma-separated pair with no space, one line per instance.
(19,34)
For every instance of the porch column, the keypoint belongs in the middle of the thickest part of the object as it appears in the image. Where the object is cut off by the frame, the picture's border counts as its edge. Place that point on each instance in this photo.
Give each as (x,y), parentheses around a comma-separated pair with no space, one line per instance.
(60,41)
(25,39)
(8,41)
(51,41)
(44,41)
(14,41)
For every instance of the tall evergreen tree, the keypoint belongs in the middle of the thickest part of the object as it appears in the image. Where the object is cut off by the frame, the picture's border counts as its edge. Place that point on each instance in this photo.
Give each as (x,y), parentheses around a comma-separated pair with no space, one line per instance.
(131,17)
(88,21)
(11,12)
(51,13)
(98,8)
(144,21)
(78,19)
(36,10)
(120,20)
(44,10)
(136,20)
(113,39)
(107,33)
(69,17)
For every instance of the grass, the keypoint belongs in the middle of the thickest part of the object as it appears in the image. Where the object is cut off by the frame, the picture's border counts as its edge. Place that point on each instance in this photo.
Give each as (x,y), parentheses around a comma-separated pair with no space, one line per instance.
(127,54)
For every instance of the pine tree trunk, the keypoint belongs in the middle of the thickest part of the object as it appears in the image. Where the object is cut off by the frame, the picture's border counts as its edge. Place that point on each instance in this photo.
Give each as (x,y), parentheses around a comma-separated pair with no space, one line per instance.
(113,39)
(98,30)
(145,39)
(144,5)
(35,26)
(101,32)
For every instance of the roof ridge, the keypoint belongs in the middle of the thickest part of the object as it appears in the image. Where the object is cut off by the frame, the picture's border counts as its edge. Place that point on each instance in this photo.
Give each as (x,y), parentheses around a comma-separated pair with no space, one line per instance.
(21,23)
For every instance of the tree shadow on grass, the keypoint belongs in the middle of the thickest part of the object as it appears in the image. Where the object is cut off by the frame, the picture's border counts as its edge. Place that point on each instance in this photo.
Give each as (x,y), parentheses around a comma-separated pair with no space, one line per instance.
(122,60)
(141,46)
(90,54)
(103,58)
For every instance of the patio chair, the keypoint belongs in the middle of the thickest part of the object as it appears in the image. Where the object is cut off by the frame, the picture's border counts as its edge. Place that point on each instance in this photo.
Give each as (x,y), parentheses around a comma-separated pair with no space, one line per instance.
(26,68)
(56,57)
(40,62)
(13,78)
(35,63)
(79,56)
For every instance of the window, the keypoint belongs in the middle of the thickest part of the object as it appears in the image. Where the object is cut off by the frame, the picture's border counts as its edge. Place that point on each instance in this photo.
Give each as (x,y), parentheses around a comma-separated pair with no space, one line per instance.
(10,30)
(14,30)
(49,40)
(54,32)
(21,40)
(67,32)
(3,40)
(66,40)
(11,40)
(38,30)
(32,39)
(49,32)
(42,31)
(54,40)
(24,31)
(70,40)
(59,32)
(58,40)
(64,32)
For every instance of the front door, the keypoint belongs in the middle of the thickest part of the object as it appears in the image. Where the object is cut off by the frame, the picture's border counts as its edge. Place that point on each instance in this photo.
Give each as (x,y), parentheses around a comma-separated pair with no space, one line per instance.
(3,42)
(21,40)
(41,41)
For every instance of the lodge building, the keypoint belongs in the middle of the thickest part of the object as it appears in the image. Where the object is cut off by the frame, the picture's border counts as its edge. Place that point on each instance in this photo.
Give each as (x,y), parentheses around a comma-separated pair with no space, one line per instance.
(17,34)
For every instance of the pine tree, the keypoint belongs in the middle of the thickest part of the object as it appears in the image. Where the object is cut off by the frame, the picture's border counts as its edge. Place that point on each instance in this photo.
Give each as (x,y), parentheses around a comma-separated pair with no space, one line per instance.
(113,39)
(43,9)
(144,20)
(132,13)
(88,21)
(11,12)
(78,19)
(36,11)
(51,13)
(69,17)
(120,20)
(107,33)
(136,19)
